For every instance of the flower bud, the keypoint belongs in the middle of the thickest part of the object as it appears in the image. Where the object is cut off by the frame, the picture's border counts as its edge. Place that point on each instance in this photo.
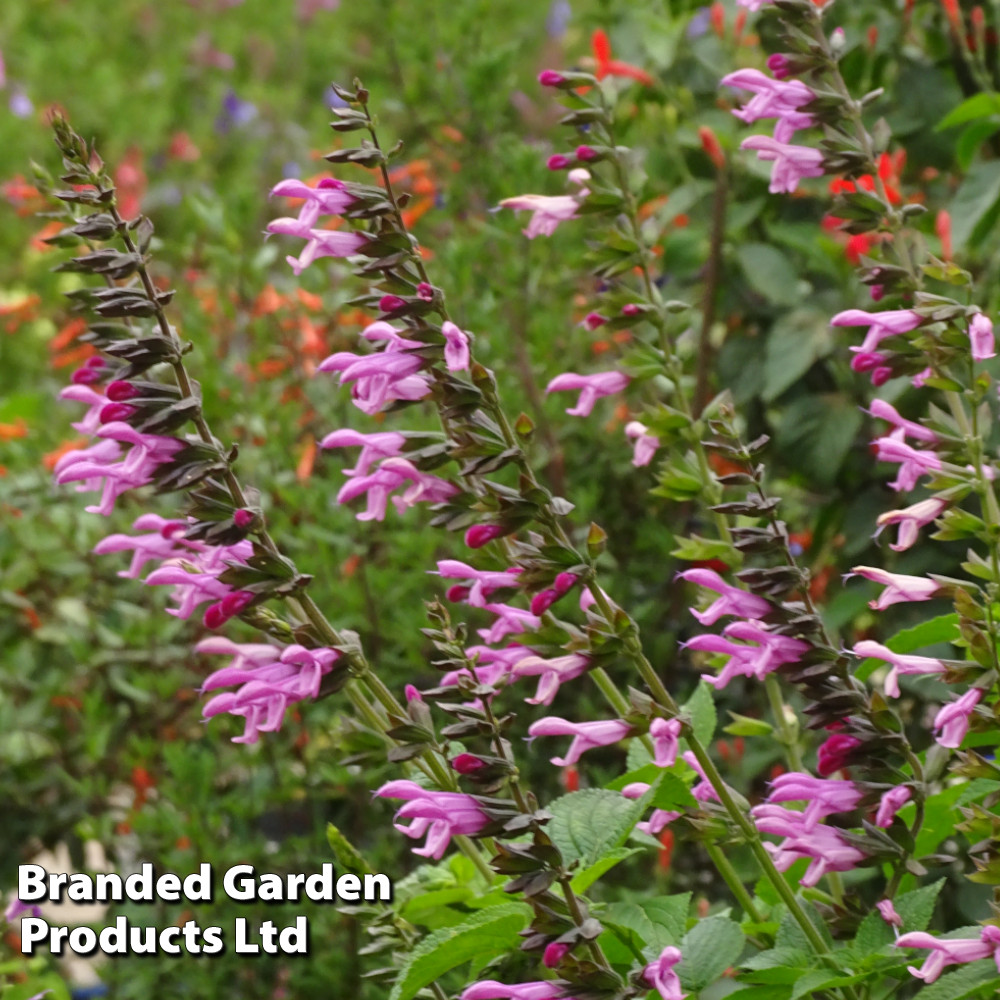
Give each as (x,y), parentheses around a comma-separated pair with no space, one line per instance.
(480,534)
(457,593)
(550,78)
(120,390)
(425,291)
(587,154)
(631,309)
(554,953)
(116,411)
(559,161)
(412,694)
(214,616)
(467,763)
(544,600)
(86,376)
(173,528)
(835,753)
(243,518)
(390,303)
(232,604)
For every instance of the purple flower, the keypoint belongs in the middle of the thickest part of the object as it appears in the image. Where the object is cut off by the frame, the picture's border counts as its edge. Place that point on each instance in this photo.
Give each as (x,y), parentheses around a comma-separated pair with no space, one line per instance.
(17,909)
(770,652)
(881,325)
(899,588)
(703,791)
(665,734)
(913,462)
(456,347)
(381,378)
(586,735)
(882,410)
(981,338)
(270,680)
(490,989)
(791,163)
(486,581)
(374,446)
(824,796)
(733,600)
(235,113)
(645,444)
(952,722)
(954,951)
(558,19)
(550,673)
(772,99)
(481,534)
(835,752)
(891,803)
(194,576)
(439,815)
(911,519)
(901,663)
(661,977)
(393,474)
(509,621)
(888,913)
(592,388)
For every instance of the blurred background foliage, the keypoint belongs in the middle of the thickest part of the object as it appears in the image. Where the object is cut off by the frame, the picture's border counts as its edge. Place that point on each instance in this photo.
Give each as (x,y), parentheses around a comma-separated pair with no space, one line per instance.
(201,106)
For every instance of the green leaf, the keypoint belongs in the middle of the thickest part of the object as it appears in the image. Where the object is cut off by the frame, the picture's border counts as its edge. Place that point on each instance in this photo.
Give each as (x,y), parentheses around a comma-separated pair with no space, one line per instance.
(971,208)
(584,879)
(709,948)
(944,628)
(769,272)
(977,979)
(820,979)
(816,432)
(588,825)
(484,935)
(655,923)
(795,343)
(978,106)
(917,907)
(701,707)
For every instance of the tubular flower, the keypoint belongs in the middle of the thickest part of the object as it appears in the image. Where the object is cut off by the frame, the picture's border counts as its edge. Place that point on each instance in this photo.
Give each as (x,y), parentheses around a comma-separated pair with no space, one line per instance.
(981,338)
(509,621)
(164,541)
(547,211)
(658,818)
(824,846)
(952,722)
(835,753)
(661,977)
(439,815)
(91,421)
(913,462)
(270,680)
(772,99)
(899,588)
(485,581)
(103,466)
(956,951)
(881,325)
(374,446)
(901,664)
(911,519)
(703,791)
(888,913)
(380,378)
(891,803)
(195,576)
(586,735)
(456,347)
(592,388)
(791,163)
(645,444)
(732,600)
(490,665)
(824,796)
(882,410)
(665,734)
(392,474)
(770,652)
(550,673)
(490,989)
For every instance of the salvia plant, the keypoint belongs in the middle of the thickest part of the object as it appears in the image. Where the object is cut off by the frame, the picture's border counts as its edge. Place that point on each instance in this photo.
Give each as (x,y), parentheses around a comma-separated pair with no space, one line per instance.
(825,880)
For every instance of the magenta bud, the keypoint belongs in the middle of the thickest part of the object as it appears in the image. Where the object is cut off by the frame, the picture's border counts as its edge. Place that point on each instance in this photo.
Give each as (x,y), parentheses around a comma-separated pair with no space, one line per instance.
(586,153)
(559,161)
(593,320)
(458,592)
(120,390)
(86,376)
(881,375)
(467,763)
(173,528)
(479,534)
(544,600)
(779,65)
(877,291)
(565,582)
(630,309)
(550,78)
(835,752)
(425,291)
(554,953)
(412,694)
(243,518)
(234,603)
(390,303)
(116,411)
(214,616)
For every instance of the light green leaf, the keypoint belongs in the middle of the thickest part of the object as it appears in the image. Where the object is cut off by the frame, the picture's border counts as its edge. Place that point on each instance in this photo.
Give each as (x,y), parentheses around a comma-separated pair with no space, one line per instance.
(584,879)
(769,272)
(796,342)
(978,106)
(589,824)
(484,935)
(977,979)
(701,707)
(709,948)
(821,979)
(972,207)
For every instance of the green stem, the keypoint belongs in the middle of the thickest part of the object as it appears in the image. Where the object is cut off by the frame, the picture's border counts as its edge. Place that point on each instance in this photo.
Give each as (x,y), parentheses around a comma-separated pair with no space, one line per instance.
(735,883)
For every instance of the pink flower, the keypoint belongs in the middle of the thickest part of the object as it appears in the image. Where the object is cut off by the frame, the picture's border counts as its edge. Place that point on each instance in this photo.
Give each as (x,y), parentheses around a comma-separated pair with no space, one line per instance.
(555,952)
(660,974)
(586,735)
(824,796)
(882,410)
(562,585)
(486,581)
(899,587)
(953,951)
(321,243)
(547,211)
(550,673)
(392,474)
(703,791)
(665,734)
(772,99)
(911,519)
(509,621)
(952,722)
(891,803)
(913,462)
(456,347)
(490,989)
(439,815)
(733,600)
(981,338)
(592,388)
(162,542)
(270,680)
(658,818)
(374,446)
(791,163)
(881,325)
(645,443)
(382,378)
(752,5)
(835,752)
(91,421)
(888,913)
(770,652)
(901,663)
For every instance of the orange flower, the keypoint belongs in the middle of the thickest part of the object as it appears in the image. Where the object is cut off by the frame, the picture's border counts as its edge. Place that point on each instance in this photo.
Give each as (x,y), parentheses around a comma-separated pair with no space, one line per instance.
(268,301)
(11,432)
(50,458)
(306,460)
(607,66)
(19,311)
(68,334)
